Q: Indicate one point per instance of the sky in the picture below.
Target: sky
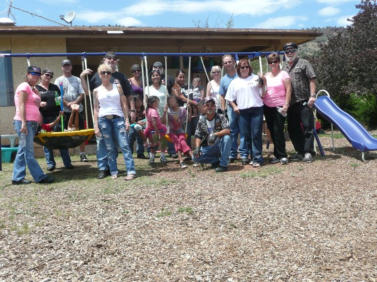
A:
(270, 14)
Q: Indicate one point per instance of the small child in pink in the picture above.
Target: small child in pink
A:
(155, 130)
(176, 118)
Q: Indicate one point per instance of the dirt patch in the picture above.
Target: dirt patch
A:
(300, 221)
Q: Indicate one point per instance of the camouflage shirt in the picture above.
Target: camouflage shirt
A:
(301, 72)
(202, 130)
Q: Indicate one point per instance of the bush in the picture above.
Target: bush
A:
(364, 109)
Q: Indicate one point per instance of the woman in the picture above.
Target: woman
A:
(245, 96)
(50, 94)
(111, 121)
(135, 81)
(27, 101)
(179, 91)
(276, 103)
(213, 86)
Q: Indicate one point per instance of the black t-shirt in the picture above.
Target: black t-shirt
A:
(52, 109)
(95, 81)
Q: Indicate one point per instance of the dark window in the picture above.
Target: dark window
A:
(6, 81)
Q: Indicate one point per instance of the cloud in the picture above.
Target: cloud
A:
(129, 21)
(328, 11)
(329, 2)
(282, 22)
(343, 21)
(156, 7)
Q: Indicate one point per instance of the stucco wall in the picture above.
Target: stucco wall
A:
(28, 44)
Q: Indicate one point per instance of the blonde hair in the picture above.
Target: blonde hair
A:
(215, 68)
(104, 67)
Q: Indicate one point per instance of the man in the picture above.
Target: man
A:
(50, 95)
(111, 60)
(73, 95)
(212, 140)
(230, 74)
(300, 114)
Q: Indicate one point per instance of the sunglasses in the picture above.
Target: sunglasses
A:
(105, 72)
(244, 67)
(137, 70)
(273, 62)
(49, 75)
(290, 51)
(227, 63)
(112, 58)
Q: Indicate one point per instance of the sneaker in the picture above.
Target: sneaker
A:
(255, 164)
(130, 177)
(151, 160)
(21, 182)
(245, 161)
(308, 158)
(196, 165)
(50, 168)
(182, 165)
(70, 166)
(274, 160)
(46, 180)
(296, 157)
(83, 158)
(221, 168)
(141, 156)
(163, 159)
(231, 160)
(215, 165)
(283, 161)
(102, 174)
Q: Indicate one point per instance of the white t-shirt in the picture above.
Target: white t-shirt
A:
(109, 101)
(245, 92)
(215, 92)
(161, 93)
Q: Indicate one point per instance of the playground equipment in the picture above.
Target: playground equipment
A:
(355, 133)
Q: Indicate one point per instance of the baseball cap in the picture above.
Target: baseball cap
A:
(210, 99)
(290, 45)
(110, 55)
(66, 62)
(34, 70)
(135, 67)
(47, 71)
(157, 64)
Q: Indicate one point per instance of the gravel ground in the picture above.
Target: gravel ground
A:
(311, 222)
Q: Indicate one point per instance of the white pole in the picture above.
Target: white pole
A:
(188, 87)
(204, 67)
(260, 65)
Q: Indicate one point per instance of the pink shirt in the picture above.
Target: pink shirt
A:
(275, 96)
(152, 113)
(31, 104)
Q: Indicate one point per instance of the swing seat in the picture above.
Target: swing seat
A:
(63, 140)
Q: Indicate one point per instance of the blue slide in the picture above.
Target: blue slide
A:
(356, 134)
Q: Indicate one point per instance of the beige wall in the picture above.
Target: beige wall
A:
(28, 44)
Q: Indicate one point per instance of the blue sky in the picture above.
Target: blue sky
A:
(275, 14)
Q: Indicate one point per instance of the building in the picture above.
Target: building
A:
(57, 39)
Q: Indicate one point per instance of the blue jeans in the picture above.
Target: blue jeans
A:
(49, 156)
(133, 135)
(114, 132)
(251, 121)
(220, 151)
(234, 124)
(25, 153)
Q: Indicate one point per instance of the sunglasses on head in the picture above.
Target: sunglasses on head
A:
(290, 51)
(106, 72)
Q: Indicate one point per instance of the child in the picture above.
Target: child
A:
(48, 127)
(155, 130)
(176, 118)
(137, 128)
(73, 122)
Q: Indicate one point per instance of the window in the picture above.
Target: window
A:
(6, 81)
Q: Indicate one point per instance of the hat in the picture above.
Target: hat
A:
(111, 55)
(157, 64)
(291, 45)
(34, 70)
(210, 99)
(66, 62)
(47, 71)
(135, 67)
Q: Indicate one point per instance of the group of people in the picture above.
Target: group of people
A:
(228, 109)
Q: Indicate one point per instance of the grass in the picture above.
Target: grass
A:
(164, 213)
(186, 210)
(262, 172)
